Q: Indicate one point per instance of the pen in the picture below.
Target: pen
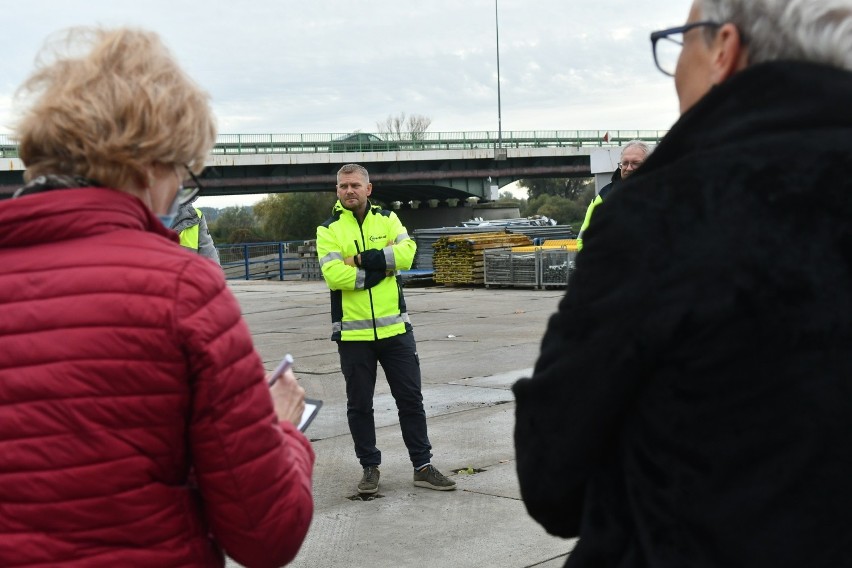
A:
(282, 368)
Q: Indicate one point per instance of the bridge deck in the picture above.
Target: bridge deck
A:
(332, 143)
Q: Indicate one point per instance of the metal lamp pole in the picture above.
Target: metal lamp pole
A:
(499, 112)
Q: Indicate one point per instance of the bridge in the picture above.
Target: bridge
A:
(406, 169)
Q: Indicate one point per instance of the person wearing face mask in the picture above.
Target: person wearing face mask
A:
(692, 401)
(137, 425)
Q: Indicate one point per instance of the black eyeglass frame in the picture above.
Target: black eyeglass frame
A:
(623, 165)
(187, 194)
(664, 34)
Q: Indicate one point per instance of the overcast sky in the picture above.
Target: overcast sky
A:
(337, 66)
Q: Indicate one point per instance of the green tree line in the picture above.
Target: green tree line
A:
(295, 216)
(562, 199)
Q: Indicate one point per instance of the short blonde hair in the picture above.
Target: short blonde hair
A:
(353, 169)
(112, 109)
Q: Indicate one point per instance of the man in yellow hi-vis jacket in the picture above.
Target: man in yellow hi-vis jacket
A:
(361, 247)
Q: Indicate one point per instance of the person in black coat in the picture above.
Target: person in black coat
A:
(692, 401)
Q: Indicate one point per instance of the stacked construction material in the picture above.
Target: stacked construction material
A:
(555, 266)
(556, 262)
(309, 262)
(426, 238)
(517, 266)
(539, 266)
(459, 259)
(567, 244)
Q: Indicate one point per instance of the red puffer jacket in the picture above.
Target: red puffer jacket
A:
(135, 425)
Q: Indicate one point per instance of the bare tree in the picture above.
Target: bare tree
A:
(401, 128)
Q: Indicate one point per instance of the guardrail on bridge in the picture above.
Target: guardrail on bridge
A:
(363, 142)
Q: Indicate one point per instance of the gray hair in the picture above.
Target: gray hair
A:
(636, 144)
(817, 31)
(351, 169)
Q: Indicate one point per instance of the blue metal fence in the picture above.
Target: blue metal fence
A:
(281, 260)
(262, 261)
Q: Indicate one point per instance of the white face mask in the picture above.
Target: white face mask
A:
(169, 217)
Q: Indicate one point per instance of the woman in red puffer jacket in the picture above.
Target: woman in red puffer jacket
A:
(136, 427)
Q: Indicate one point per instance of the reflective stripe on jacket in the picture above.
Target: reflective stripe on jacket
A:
(359, 312)
(588, 219)
(598, 199)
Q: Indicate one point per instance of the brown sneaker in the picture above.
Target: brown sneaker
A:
(369, 483)
(431, 478)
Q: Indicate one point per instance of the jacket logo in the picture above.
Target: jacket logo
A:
(382, 238)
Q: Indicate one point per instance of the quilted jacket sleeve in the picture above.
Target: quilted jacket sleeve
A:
(254, 474)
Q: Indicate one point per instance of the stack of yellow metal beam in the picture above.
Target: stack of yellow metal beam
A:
(567, 244)
(458, 259)
(553, 244)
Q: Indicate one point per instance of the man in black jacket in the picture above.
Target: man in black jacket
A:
(633, 154)
(692, 402)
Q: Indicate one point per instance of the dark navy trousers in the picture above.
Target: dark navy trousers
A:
(398, 358)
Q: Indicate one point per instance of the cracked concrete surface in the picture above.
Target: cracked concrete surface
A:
(473, 344)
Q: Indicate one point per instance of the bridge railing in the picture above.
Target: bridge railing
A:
(331, 142)
(363, 142)
(8, 147)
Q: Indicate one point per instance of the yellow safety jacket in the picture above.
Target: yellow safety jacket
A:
(588, 219)
(365, 306)
(598, 199)
(189, 236)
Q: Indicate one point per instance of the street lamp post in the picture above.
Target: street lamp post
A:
(499, 154)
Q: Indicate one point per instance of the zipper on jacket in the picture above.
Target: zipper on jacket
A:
(369, 291)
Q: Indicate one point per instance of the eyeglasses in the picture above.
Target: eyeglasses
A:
(625, 165)
(666, 53)
(187, 194)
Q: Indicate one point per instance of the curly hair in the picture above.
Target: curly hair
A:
(106, 104)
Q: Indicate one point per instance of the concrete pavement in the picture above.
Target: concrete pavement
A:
(473, 344)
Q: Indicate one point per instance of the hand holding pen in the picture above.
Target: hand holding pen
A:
(285, 365)
(288, 396)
